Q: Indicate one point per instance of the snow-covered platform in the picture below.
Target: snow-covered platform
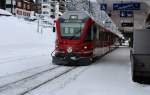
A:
(110, 75)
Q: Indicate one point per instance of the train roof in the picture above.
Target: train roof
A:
(81, 14)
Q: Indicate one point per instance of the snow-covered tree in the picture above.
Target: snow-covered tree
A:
(91, 6)
(77, 5)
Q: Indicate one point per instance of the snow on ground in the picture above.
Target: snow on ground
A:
(22, 47)
(110, 75)
(4, 12)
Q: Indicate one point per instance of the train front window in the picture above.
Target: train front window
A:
(71, 31)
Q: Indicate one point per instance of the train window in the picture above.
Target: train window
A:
(71, 31)
(97, 34)
(89, 36)
(94, 31)
(91, 33)
(102, 36)
(66, 30)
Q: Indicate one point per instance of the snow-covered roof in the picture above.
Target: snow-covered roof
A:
(5, 13)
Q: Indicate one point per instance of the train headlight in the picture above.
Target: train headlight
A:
(69, 49)
(85, 47)
(56, 46)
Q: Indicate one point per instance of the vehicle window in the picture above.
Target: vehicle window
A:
(71, 31)
(91, 34)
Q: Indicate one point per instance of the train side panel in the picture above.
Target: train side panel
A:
(80, 39)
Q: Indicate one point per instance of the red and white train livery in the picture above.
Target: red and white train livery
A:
(80, 39)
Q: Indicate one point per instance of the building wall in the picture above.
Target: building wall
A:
(2, 4)
(24, 8)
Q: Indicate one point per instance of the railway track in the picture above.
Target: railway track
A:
(25, 85)
(25, 75)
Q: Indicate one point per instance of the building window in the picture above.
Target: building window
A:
(28, 14)
(52, 10)
(28, 7)
(45, 6)
(24, 6)
(52, 16)
(19, 12)
(24, 13)
(44, 0)
(45, 12)
(19, 4)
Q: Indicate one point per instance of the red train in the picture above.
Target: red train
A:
(80, 39)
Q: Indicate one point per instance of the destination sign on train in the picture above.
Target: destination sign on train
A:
(72, 20)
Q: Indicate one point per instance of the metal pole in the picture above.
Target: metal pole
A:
(89, 6)
(133, 32)
(38, 25)
(122, 19)
(5, 4)
(11, 6)
(133, 20)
